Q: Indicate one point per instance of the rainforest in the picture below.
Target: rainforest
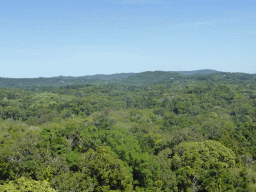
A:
(144, 132)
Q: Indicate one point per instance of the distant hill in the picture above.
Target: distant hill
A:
(101, 76)
(109, 77)
(149, 77)
(202, 71)
(162, 76)
(61, 80)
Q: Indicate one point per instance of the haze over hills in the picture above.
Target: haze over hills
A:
(101, 76)
(124, 75)
(202, 71)
(147, 77)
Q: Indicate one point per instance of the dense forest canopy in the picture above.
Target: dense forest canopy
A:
(151, 131)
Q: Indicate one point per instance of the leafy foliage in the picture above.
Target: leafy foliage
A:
(154, 131)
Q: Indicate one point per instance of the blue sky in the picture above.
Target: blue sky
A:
(85, 37)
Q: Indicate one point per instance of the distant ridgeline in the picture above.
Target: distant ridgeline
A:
(149, 77)
(203, 72)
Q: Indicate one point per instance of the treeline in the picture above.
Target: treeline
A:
(139, 79)
(187, 133)
(61, 80)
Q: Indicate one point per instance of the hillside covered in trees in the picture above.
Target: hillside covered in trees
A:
(151, 131)
(118, 78)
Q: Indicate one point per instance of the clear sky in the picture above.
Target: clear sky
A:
(84, 37)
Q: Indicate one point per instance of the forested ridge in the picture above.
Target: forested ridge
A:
(117, 78)
(152, 131)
